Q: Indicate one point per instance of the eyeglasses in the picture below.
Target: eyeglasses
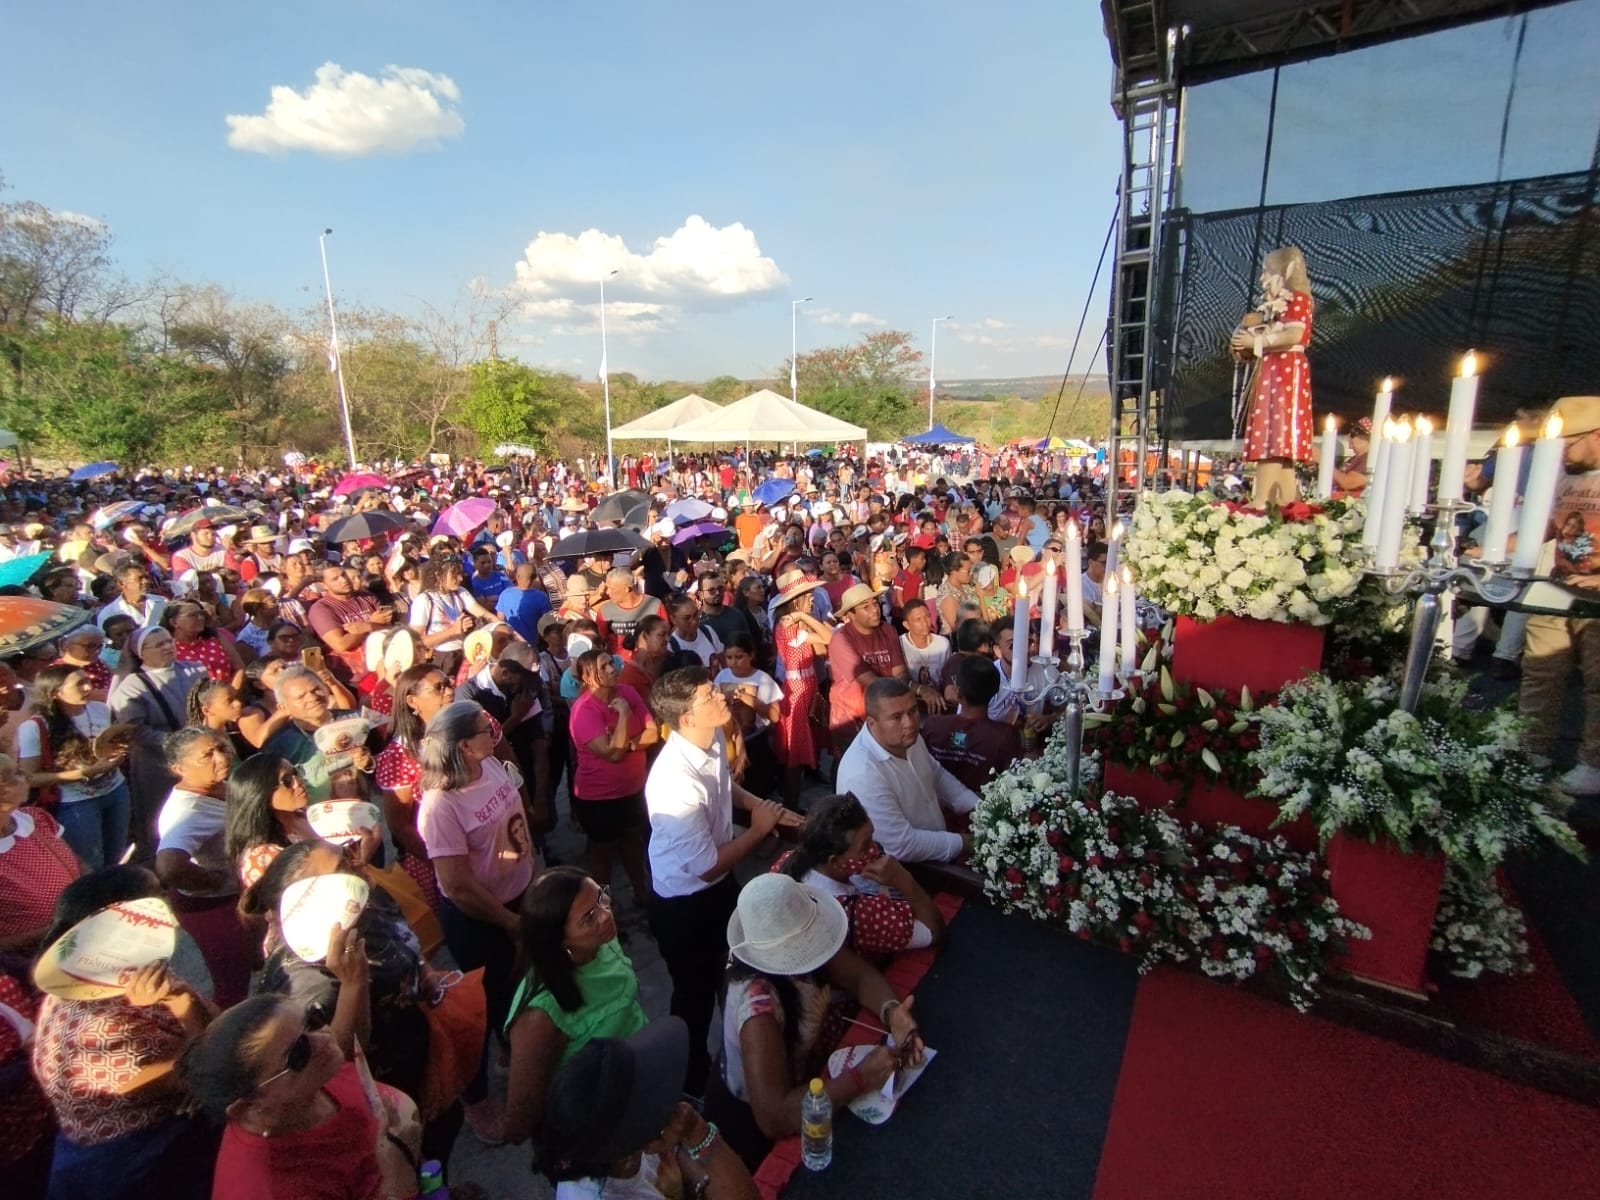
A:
(295, 1059)
(591, 918)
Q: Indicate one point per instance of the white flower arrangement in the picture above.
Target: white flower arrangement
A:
(1114, 872)
(1478, 929)
(1204, 559)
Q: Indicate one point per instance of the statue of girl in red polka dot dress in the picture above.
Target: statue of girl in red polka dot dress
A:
(1278, 423)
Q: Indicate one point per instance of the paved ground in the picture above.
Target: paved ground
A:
(507, 1172)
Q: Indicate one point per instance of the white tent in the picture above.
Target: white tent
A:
(663, 423)
(765, 416)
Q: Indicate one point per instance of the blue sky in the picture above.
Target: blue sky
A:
(896, 161)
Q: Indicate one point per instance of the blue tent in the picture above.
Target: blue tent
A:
(938, 436)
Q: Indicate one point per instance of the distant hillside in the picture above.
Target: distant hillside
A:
(1028, 387)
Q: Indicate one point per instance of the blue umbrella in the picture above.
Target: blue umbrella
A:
(688, 509)
(94, 471)
(20, 570)
(773, 490)
(815, 453)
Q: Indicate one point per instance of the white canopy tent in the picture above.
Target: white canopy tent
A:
(765, 416)
(663, 423)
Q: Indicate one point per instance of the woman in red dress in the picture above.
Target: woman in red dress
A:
(1278, 423)
(800, 637)
(198, 641)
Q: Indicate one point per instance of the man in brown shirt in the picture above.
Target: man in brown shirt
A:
(969, 743)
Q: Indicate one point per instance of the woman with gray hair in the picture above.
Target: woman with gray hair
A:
(476, 833)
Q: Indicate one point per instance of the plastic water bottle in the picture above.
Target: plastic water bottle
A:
(816, 1127)
(431, 1181)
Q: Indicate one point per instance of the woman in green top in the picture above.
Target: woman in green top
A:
(576, 985)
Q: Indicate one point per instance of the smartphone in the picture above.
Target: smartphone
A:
(311, 657)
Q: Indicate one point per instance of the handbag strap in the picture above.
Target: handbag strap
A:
(161, 701)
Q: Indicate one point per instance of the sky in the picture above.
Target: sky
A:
(895, 161)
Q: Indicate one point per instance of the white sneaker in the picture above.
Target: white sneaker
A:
(1582, 780)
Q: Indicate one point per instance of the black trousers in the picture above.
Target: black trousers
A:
(692, 932)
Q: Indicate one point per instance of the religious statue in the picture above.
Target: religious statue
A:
(1273, 340)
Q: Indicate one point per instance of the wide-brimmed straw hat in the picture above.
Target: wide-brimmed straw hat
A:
(785, 927)
(574, 505)
(855, 596)
(792, 584)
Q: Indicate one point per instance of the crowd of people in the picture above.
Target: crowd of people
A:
(255, 688)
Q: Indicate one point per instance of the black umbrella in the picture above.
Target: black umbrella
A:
(637, 517)
(617, 505)
(365, 525)
(598, 542)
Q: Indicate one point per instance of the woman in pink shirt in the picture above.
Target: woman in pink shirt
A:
(611, 725)
(473, 825)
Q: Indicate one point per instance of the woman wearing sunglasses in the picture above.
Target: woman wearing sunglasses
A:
(576, 984)
(297, 1120)
(267, 805)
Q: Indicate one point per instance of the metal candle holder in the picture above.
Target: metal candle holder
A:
(1073, 690)
(1494, 582)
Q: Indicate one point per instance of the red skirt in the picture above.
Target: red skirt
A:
(1278, 421)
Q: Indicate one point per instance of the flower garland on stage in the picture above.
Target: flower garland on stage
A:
(1478, 929)
(1448, 778)
(1204, 559)
(1115, 873)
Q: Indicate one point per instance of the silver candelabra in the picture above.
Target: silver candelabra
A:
(1071, 688)
(1442, 570)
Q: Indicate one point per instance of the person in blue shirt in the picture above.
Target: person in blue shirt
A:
(487, 580)
(523, 603)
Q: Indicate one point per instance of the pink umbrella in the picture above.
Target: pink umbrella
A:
(354, 483)
(464, 516)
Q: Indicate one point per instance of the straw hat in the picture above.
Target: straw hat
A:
(1022, 555)
(1579, 414)
(854, 597)
(785, 927)
(792, 584)
(577, 587)
(259, 534)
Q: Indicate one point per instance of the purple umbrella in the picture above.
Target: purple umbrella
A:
(464, 516)
(705, 529)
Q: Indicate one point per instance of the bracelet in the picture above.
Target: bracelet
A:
(704, 1144)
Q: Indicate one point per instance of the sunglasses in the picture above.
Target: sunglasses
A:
(295, 1059)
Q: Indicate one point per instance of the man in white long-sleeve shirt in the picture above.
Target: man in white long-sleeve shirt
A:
(898, 782)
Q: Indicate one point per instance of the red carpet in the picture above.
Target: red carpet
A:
(1535, 1008)
(1224, 1095)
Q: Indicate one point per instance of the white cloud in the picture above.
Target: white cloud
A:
(853, 320)
(697, 265)
(345, 114)
(561, 316)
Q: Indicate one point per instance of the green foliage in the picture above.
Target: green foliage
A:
(509, 401)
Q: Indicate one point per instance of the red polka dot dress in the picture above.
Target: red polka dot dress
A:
(1278, 419)
(397, 768)
(210, 654)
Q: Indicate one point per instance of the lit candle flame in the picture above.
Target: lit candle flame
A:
(1469, 364)
(1424, 426)
(1049, 566)
(1127, 577)
(1388, 384)
(1022, 589)
(1116, 530)
(1330, 424)
(1389, 429)
(1512, 436)
(1402, 432)
(1111, 585)
(1552, 427)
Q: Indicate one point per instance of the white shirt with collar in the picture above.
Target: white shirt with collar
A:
(689, 796)
(903, 797)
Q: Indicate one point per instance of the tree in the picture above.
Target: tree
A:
(240, 351)
(508, 401)
(872, 383)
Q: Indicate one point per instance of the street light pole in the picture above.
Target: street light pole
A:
(794, 379)
(933, 349)
(605, 379)
(334, 360)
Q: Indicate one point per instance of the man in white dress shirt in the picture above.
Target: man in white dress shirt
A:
(694, 847)
(900, 785)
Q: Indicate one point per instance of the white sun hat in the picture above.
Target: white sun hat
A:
(785, 927)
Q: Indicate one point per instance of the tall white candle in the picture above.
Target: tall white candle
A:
(1129, 635)
(1503, 504)
(1108, 634)
(1463, 403)
(1019, 638)
(1047, 611)
(1376, 481)
(1074, 551)
(1113, 550)
(1421, 465)
(1378, 449)
(1330, 452)
(1393, 518)
(1539, 496)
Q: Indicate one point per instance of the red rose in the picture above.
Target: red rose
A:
(1055, 837)
(1150, 856)
(1016, 894)
(1124, 944)
(1240, 872)
(1067, 862)
(1053, 903)
(1114, 833)
(1071, 890)
(1013, 875)
(1146, 879)
(1297, 931)
(1095, 860)
(1216, 947)
(1143, 920)
(1263, 954)
(1084, 933)
(1272, 924)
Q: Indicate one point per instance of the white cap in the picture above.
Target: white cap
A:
(299, 546)
(719, 514)
(663, 528)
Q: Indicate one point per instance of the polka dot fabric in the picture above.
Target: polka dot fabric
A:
(1278, 421)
